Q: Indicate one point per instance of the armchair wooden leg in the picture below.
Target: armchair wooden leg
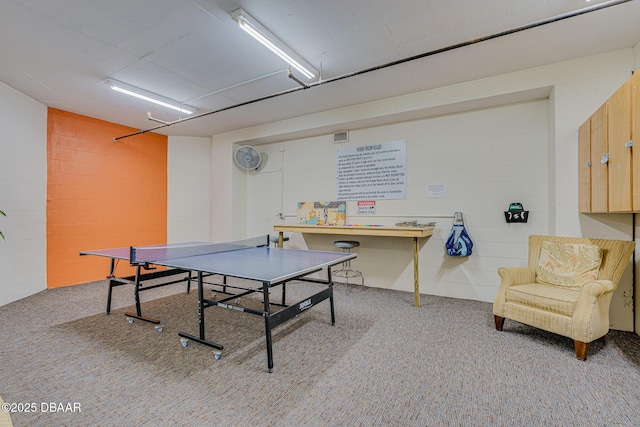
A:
(582, 349)
(499, 322)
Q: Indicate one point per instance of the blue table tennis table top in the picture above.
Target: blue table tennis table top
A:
(264, 264)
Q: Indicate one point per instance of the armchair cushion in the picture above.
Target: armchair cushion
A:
(568, 265)
(549, 298)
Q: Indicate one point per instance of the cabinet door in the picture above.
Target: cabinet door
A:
(599, 180)
(635, 136)
(619, 134)
(584, 167)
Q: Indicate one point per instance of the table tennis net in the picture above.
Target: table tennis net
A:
(149, 254)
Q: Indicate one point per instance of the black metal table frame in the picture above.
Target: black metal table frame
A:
(271, 320)
(137, 281)
(139, 278)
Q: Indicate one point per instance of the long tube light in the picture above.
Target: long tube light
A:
(149, 96)
(271, 42)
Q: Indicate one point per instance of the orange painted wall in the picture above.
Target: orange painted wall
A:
(100, 194)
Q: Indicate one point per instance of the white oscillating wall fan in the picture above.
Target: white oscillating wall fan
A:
(247, 157)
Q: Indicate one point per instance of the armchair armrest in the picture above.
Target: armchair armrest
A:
(511, 276)
(597, 288)
(591, 315)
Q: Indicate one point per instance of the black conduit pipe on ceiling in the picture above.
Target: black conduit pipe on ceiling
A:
(393, 63)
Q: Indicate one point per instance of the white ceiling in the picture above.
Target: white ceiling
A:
(60, 52)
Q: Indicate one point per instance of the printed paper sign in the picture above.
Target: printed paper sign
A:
(436, 191)
(366, 207)
(376, 171)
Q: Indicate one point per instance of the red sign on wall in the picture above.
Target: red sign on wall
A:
(366, 207)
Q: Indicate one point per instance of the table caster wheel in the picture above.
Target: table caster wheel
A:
(184, 341)
(213, 294)
(159, 328)
(217, 354)
(130, 320)
(238, 301)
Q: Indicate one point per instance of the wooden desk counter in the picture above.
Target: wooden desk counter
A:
(367, 230)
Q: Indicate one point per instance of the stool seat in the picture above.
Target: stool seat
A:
(275, 239)
(346, 244)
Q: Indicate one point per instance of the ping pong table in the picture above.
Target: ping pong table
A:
(251, 259)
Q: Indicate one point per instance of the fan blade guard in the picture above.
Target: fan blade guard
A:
(247, 157)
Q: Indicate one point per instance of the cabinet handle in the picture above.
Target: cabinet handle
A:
(628, 144)
(605, 158)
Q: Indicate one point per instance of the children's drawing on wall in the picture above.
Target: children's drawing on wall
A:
(322, 213)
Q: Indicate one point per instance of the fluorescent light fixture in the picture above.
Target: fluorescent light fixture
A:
(264, 36)
(149, 96)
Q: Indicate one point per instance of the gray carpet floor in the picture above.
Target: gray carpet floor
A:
(384, 363)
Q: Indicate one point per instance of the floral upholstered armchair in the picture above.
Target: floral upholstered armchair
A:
(566, 289)
(5, 419)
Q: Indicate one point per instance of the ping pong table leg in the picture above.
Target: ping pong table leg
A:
(138, 314)
(333, 312)
(111, 271)
(284, 293)
(137, 292)
(267, 326)
(109, 296)
(189, 282)
(201, 306)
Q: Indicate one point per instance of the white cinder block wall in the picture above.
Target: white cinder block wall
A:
(189, 189)
(23, 195)
(536, 140)
(485, 159)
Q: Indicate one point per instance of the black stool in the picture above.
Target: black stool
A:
(346, 271)
(274, 240)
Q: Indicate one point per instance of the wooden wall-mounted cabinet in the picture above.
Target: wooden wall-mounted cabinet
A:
(635, 134)
(619, 146)
(599, 167)
(606, 181)
(584, 166)
(593, 168)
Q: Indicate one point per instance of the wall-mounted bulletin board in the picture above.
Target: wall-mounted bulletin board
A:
(376, 171)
